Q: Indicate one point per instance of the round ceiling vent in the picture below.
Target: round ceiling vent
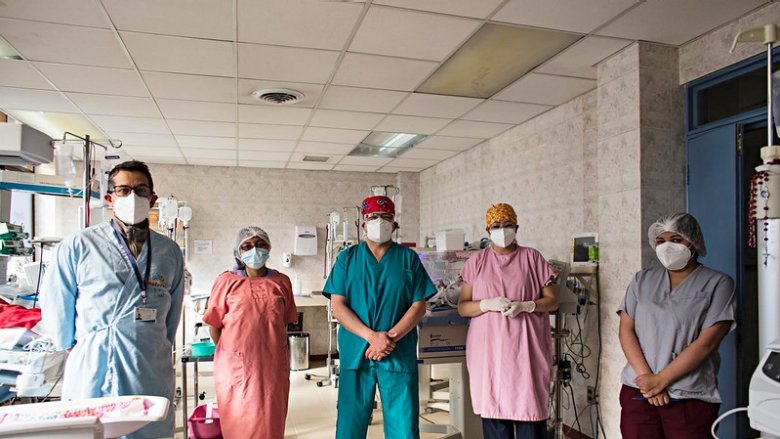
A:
(278, 96)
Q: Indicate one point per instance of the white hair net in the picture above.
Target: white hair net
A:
(247, 233)
(683, 224)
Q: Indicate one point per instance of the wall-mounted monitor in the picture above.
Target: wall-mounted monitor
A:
(580, 244)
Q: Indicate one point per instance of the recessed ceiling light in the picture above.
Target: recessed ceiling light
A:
(386, 144)
(7, 51)
(315, 158)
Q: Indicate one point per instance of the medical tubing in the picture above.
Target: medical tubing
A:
(576, 415)
(724, 415)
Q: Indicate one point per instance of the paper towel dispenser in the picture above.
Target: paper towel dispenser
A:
(305, 240)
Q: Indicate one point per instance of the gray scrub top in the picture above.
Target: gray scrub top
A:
(666, 323)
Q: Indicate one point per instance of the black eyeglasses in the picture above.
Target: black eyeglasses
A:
(140, 190)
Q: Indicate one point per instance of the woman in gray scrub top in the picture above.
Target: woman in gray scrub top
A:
(672, 320)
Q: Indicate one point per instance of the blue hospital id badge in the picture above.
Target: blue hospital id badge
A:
(143, 314)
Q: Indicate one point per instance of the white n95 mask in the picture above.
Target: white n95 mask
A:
(131, 209)
(379, 230)
(503, 237)
(673, 256)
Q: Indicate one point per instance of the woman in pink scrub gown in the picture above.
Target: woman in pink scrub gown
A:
(248, 312)
(507, 292)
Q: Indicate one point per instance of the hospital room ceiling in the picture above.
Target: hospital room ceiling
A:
(174, 79)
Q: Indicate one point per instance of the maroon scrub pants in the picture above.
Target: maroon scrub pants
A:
(680, 419)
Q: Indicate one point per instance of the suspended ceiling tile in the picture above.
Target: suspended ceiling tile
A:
(398, 32)
(311, 92)
(416, 164)
(261, 164)
(179, 54)
(382, 72)
(465, 8)
(676, 22)
(355, 168)
(285, 63)
(505, 112)
(75, 12)
(152, 151)
(38, 100)
(205, 19)
(334, 135)
(202, 128)
(323, 25)
(411, 124)
(428, 154)
(365, 161)
(265, 145)
(345, 119)
(190, 87)
(423, 104)
(203, 153)
(553, 90)
(212, 162)
(361, 99)
(38, 41)
(325, 147)
(207, 142)
(467, 128)
(310, 166)
(298, 157)
(269, 131)
(21, 74)
(576, 16)
(268, 114)
(114, 105)
(448, 143)
(581, 58)
(268, 156)
(99, 80)
(208, 111)
(157, 140)
(161, 160)
(148, 125)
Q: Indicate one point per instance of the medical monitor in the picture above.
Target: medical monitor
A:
(580, 245)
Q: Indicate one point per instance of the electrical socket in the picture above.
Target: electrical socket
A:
(593, 397)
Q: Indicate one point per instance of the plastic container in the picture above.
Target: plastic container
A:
(299, 350)
(203, 349)
(204, 423)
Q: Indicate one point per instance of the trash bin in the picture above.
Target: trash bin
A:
(299, 350)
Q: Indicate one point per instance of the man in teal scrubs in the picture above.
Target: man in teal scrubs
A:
(378, 291)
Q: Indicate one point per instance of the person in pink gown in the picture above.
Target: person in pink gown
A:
(508, 292)
(248, 312)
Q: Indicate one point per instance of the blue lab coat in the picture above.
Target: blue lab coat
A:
(88, 299)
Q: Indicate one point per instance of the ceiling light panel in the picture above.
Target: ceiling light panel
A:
(412, 124)
(345, 119)
(54, 124)
(191, 110)
(505, 112)
(421, 104)
(273, 114)
(546, 89)
(465, 8)
(18, 73)
(266, 145)
(311, 92)
(383, 72)
(285, 63)
(441, 34)
(38, 41)
(75, 12)
(334, 135)
(268, 131)
(467, 128)
(361, 99)
(190, 87)
(147, 125)
(8, 52)
(114, 105)
(179, 54)
(449, 143)
(493, 58)
(212, 20)
(580, 59)
(39, 100)
(318, 24)
(98, 80)
(202, 128)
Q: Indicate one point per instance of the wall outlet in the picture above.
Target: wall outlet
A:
(593, 397)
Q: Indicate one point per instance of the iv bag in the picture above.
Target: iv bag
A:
(63, 158)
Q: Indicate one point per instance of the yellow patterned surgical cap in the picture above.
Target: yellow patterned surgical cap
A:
(498, 213)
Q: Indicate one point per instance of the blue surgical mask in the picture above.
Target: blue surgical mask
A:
(254, 258)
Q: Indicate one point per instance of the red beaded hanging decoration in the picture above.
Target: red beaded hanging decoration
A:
(755, 183)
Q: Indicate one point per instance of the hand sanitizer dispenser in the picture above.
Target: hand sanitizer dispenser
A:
(305, 240)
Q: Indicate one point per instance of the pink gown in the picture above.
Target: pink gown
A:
(251, 363)
(509, 359)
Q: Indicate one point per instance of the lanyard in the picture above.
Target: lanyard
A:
(142, 281)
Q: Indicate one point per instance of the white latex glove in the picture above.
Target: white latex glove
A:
(494, 304)
(516, 308)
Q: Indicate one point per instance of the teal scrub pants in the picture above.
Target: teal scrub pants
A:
(400, 402)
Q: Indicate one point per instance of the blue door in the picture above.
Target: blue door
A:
(713, 198)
